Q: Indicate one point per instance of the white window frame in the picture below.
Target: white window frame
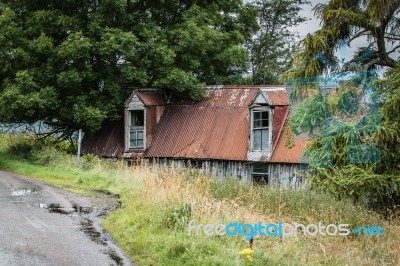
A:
(260, 109)
(136, 129)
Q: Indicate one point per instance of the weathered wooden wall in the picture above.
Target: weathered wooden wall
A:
(218, 169)
(284, 175)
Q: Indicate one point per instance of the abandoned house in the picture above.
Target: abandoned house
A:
(238, 131)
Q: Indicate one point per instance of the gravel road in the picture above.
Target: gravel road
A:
(43, 225)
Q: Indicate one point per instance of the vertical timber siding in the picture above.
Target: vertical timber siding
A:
(286, 175)
(218, 169)
(280, 175)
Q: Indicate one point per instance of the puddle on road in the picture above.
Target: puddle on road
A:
(57, 208)
(24, 191)
(80, 209)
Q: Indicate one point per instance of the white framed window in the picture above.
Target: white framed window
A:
(136, 129)
(260, 129)
(259, 173)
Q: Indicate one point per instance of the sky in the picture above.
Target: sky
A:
(313, 24)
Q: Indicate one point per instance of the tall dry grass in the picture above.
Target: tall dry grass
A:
(158, 191)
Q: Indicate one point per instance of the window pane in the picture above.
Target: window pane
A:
(260, 173)
(140, 135)
(264, 123)
(257, 116)
(265, 139)
(257, 139)
(264, 115)
(140, 143)
(257, 123)
(133, 143)
(137, 118)
(133, 135)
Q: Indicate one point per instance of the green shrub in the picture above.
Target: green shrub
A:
(46, 155)
(89, 161)
(178, 216)
(66, 146)
(21, 146)
(380, 192)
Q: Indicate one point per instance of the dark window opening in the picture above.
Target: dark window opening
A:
(137, 118)
(260, 173)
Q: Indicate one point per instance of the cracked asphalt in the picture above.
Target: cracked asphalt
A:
(43, 225)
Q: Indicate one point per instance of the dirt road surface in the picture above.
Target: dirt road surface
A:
(43, 225)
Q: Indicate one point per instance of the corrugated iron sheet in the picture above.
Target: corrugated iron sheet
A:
(107, 142)
(276, 96)
(151, 98)
(278, 119)
(213, 128)
(284, 154)
(202, 133)
(217, 127)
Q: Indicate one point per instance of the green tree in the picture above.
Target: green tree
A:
(344, 153)
(272, 48)
(343, 23)
(64, 62)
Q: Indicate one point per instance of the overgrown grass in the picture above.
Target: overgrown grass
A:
(157, 205)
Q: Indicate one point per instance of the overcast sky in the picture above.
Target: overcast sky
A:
(313, 24)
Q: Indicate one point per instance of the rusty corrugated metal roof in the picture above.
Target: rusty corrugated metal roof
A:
(278, 119)
(217, 127)
(284, 154)
(107, 142)
(202, 133)
(213, 128)
(151, 98)
(276, 95)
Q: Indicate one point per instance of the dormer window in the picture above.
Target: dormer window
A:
(260, 129)
(136, 129)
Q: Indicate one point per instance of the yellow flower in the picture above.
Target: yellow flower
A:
(249, 258)
(246, 253)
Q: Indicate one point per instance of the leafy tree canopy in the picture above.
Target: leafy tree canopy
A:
(64, 62)
(344, 22)
(354, 148)
(272, 48)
